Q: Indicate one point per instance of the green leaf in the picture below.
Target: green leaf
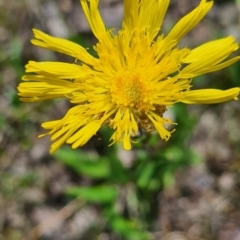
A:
(174, 154)
(14, 52)
(119, 174)
(84, 163)
(129, 229)
(2, 121)
(194, 158)
(169, 178)
(146, 174)
(181, 155)
(94, 194)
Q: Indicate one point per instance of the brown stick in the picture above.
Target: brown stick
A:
(54, 220)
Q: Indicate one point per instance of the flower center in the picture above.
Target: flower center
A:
(129, 90)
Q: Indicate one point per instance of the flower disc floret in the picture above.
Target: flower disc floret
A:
(129, 90)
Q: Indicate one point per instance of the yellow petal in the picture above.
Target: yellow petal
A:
(159, 123)
(209, 96)
(90, 9)
(208, 50)
(209, 57)
(130, 20)
(84, 134)
(38, 91)
(58, 69)
(63, 46)
(221, 65)
(189, 21)
(144, 14)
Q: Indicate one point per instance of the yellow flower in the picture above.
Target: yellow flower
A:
(137, 74)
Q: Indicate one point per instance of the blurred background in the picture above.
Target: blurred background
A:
(185, 189)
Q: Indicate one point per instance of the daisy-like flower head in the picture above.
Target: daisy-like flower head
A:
(138, 73)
